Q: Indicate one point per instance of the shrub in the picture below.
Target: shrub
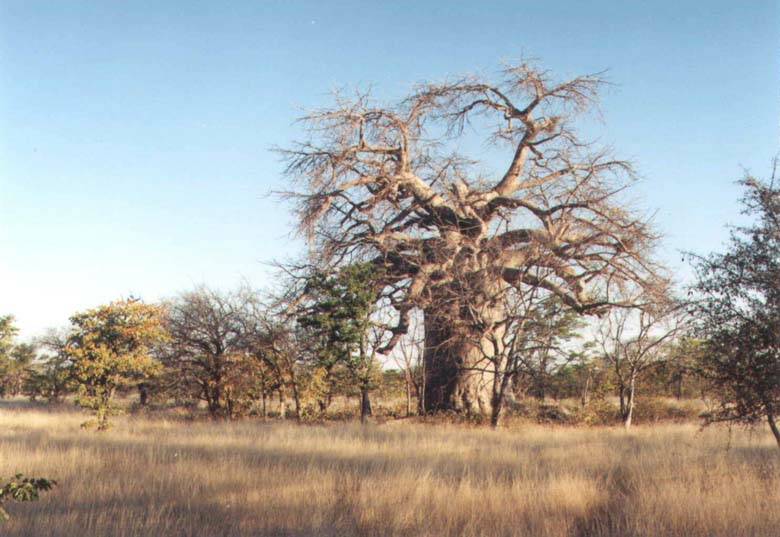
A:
(22, 489)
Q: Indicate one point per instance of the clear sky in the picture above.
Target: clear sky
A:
(135, 136)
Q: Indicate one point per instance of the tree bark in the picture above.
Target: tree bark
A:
(420, 389)
(456, 375)
(500, 388)
(296, 401)
(585, 394)
(770, 417)
(629, 415)
(365, 405)
(282, 404)
(143, 394)
(408, 380)
(622, 397)
(678, 386)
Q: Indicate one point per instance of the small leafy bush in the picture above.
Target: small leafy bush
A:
(22, 489)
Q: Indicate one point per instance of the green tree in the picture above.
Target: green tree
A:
(51, 376)
(16, 359)
(8, 332)
(109, 348)
(338, 317)
(17, 369)
(737, 306)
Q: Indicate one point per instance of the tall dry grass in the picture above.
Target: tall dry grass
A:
(151, 477)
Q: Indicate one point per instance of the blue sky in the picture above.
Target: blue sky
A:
(135, 136)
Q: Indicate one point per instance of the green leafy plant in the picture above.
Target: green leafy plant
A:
(109, 348)
(22, 489)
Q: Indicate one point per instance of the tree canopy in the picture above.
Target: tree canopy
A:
(388, 184)
(737, 307)
(110, 347)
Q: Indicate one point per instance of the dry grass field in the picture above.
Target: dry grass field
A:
(152, 477)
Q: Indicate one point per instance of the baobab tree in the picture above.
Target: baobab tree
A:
(387, 184)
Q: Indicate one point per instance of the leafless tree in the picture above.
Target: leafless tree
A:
(386, 183)
(279, 348)
(634, 340)
(213, 345)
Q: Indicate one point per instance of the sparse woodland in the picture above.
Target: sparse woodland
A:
(473, 350)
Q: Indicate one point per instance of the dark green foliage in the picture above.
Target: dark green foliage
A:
(337, 319)
(16, 368)
(17, 360)
(22, 489)
(737, 305)
(8, 332)
(51, 379)
(339, 311)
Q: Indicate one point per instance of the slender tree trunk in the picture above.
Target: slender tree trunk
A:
(541, 380)
(365, 404)
(212, 401)
(541, 392)
(499, 396)
(630, 403)
(519, 387)
(265, 403)
(143, 394)
(420, 388)
(296, 401)
(282, 404)
(408, 381)
(773, 425)
(325, 401)
(622, 396)
(103, 409)
(585, 396)
(495, 414)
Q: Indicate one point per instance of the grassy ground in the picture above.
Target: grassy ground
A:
(151, 477)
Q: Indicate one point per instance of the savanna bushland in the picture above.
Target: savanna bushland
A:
(463, 351)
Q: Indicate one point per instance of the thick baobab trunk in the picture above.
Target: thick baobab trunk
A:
(457, 375)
